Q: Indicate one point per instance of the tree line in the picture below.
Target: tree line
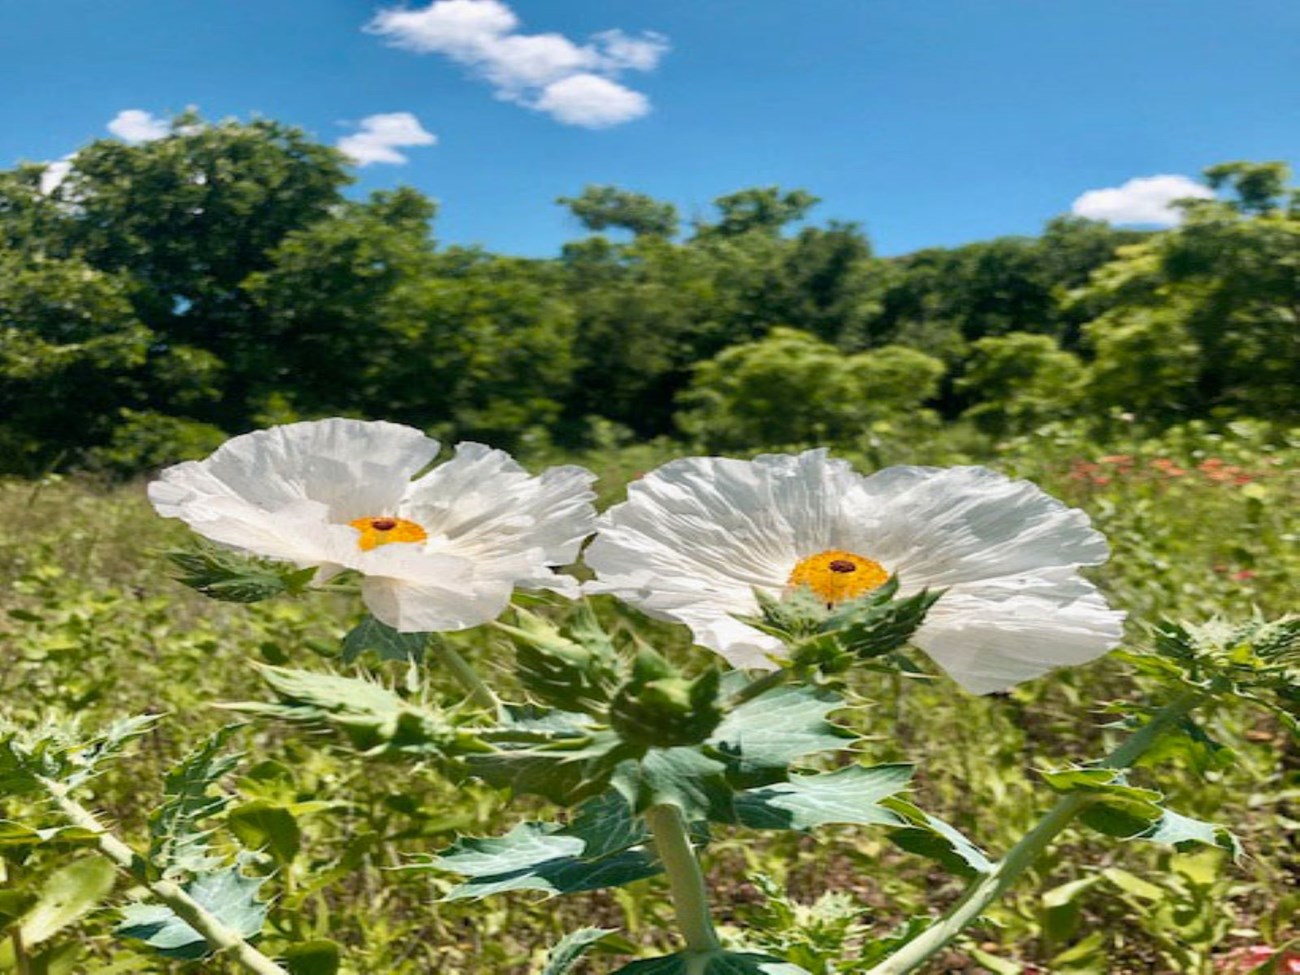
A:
(159, 297)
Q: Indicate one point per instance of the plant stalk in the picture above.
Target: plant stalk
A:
(465, 675)
(988, 888)
(220, 938)
(685, 878)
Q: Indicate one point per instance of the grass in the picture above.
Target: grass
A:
(1199, 525)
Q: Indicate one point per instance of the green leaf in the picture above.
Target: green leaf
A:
(712, 963)
(265, 825)
(229, 895)
(372, 717)
(762, 737)
(560, 756)
(931, 837)
(230, 577)
(1118, 809)
(682, 777)
(16, 834)
(1183, 833)
(1131, 884)
(602, 847)
(178, 843)
(848, 795)
(370, 634)
(312, 958)
(561, 959)
(66, 896)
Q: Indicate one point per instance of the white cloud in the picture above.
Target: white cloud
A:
(1145, 199)
(380, 137)
(593, 101)
(136, 125)
(574, 83)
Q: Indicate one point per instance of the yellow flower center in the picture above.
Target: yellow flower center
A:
(384, 531)
(838, 576)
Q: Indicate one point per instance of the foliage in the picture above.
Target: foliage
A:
(218, 279)
(1198, 520)
(791, 388)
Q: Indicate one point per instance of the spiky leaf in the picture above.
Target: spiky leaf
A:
(561, 959)
(231, 577)
(848, 795)
(372, 635)
(227, 894)
(178, 843)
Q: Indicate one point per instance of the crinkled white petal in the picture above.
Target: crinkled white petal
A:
(944, 526)
(990, 637)
(415, 591)
(698, 536)
(483, 506)
(707, 531)
(242, 493)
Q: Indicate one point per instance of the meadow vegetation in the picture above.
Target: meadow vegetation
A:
(167, 295)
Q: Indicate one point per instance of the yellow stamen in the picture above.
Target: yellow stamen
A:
(384, 530)
(838, 576)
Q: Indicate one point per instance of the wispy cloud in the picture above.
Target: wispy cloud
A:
(137, 125)
(1146, 199)
(573, 83)
(380, 137)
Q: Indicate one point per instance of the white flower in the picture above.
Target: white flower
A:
(697, 536)
(441, 552)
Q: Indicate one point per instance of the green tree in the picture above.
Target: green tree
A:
(71, 352)
(789, 388)
(1218, 295)
(602, 207)
(765, 210)
(1019, 381)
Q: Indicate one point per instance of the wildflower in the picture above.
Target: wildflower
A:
(441, 552)
(698, 536)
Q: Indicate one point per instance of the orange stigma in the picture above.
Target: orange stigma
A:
(384, 530)
(838, 576)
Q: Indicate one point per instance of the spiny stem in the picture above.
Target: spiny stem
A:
(685, 879)
(219, 937)
(988, 888)
(465, 675)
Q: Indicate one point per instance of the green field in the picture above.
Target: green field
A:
(1201, 525)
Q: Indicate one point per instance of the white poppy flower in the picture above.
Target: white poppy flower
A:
(442, 552)
(697, 536)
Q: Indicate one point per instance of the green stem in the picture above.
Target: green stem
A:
(988, 888)
(220, 938)
(465, 675)
(685, 879)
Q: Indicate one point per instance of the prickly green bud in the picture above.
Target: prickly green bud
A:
(558, 671)
(659, 708)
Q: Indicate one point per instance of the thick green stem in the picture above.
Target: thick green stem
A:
(465, 675)
(993, 885)
(219, 937)
(685, 879)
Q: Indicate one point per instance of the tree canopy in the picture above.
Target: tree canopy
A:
(160, 296)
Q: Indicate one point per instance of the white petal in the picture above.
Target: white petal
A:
(415, 590)
(941, 527)
(997, 634)
(483, 506)
(347, 468)
(697, 536)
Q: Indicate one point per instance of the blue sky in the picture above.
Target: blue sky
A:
(931, 122)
